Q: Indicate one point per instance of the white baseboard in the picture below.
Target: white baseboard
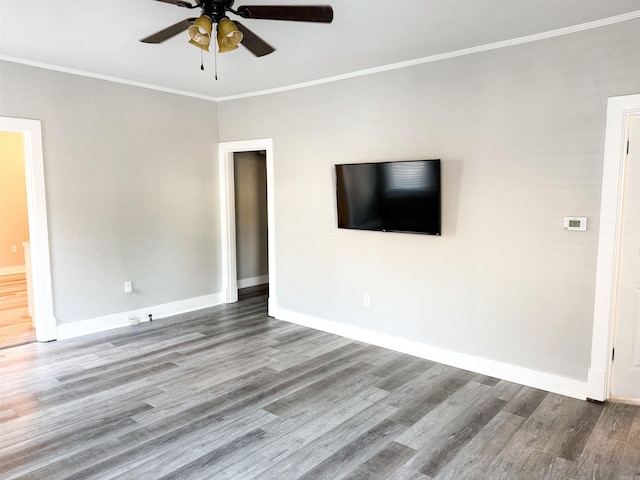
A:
(121, 319)
(505, 371)
(13, 270)
(253, 281)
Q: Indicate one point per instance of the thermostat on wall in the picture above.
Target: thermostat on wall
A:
(574, 223)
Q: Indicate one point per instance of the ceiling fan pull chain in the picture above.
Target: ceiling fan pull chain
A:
(201, 61)
(215, 58)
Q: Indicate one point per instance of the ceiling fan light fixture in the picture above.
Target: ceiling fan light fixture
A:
(228, 36)
(226, 48)
(200, 32)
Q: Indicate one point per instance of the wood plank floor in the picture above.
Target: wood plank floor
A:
(15, 323)
(229, 393)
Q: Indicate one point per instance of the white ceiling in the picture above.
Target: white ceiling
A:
(100, 38)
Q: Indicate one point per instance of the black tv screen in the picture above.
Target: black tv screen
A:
(402, 196)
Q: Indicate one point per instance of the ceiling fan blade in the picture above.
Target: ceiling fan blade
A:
(254, 43)
(169, 32)
(179, 3)
(298, 13)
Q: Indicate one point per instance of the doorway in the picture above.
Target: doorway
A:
(226, 155)
(250, 185)
(16, 326)
(621, 112)
(38, 256)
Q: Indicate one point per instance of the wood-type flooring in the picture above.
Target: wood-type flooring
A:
(15, 323)
(229, 393)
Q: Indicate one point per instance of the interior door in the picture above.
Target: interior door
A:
(626, 363)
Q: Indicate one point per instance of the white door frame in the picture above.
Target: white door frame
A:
(619, 109)
(228, 216)
(44, 321)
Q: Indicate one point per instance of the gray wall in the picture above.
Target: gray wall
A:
(520, 132)
(250, 178)
(132, 190)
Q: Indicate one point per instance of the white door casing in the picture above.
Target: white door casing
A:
(44, 321)
(227, 216)
(625, 369)
(619, 111)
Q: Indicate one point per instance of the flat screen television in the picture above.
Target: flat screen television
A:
(401, 196)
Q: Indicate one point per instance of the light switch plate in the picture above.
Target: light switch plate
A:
(575, 223)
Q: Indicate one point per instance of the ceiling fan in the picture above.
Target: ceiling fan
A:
(231, 33)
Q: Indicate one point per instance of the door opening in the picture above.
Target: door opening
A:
(16, 324)
(252, 255)
(42, 308)
(229, 247)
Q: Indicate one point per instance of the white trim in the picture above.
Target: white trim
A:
(13, 270)
(107, 78)
(447, 55)
(117, 320)
(227, 215)
(505, 371)
(228, 225)
(253, 281)
(44, 321)
(394, 66)
(618, 111)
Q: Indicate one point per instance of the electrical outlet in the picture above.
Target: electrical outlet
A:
(366, 301)
(128, 287)
(14, 249)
